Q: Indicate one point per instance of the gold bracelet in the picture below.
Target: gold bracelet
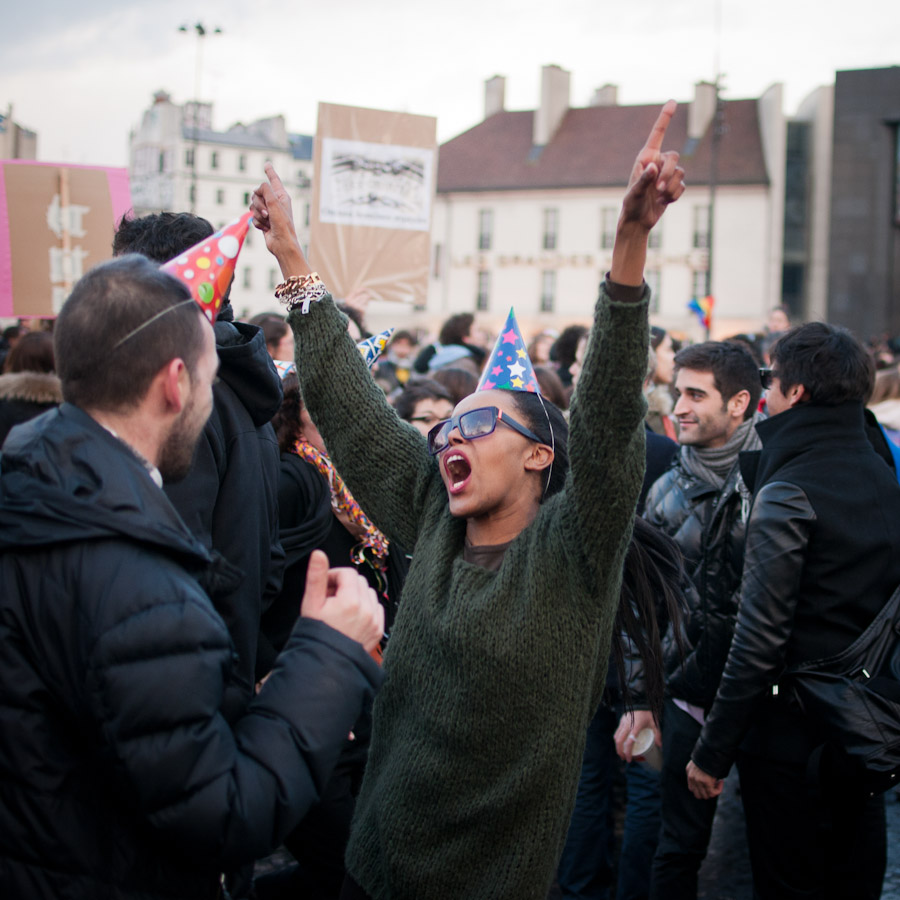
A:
(300, 290)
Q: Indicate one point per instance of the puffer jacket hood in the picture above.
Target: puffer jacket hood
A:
(246, 367)
(53, 489)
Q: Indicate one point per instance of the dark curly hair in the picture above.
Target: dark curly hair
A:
(286, 421)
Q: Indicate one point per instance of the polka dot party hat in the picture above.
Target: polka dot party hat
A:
(509, 368)
(208, 267)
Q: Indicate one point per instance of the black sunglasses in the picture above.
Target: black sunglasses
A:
(474, 424)
(765, 377)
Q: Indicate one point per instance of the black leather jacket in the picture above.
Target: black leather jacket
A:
(708, 525)
(821, 559)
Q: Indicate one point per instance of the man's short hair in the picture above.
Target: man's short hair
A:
(124, 320)
(732, 365)
(160, 236)
(827, 360)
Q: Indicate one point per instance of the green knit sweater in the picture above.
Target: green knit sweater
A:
(491, 678)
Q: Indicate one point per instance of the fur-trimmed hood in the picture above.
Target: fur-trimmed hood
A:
(31, 387)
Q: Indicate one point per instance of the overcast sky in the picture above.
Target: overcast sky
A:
(80, 72)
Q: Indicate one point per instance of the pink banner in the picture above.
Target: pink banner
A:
(56, 222)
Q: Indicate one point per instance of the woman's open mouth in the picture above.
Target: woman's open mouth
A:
(458, 471)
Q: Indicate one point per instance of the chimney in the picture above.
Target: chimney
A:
(702, 110)
(608, 95)
(494, 95)
(554, 103)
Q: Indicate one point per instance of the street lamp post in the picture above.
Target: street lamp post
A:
(201, 31)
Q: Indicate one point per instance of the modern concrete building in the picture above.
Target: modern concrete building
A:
(528, 202)
(864, 239)
(179, 162)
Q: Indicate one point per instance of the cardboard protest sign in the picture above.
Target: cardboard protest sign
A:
(56, 222)
(370, 222)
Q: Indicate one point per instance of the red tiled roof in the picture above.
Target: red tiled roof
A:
(595, 147)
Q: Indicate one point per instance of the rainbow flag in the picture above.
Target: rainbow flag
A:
(703, 309)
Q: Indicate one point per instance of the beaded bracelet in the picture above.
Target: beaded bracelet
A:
(300, 290)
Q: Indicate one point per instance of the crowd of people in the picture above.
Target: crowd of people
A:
(404, 619)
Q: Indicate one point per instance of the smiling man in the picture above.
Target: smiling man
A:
(701, 502)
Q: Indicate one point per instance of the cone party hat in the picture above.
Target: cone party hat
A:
(208, 267)
(509, 368)
(372, 347)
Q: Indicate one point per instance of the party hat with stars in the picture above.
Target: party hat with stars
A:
(208, 267)
(371, 347)
(509, 368)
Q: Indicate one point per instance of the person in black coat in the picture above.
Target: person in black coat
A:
(822, 557)
(229, 497)
(120, 776)
(309, 520)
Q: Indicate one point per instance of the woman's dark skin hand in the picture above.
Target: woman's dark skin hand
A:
(272, 215)
(656, 181)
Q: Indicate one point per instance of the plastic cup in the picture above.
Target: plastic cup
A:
(646, 751)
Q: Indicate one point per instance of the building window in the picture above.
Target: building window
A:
(436, 262)
(220, 196)
(248, 277)
(698, 284)
(701, 227)
(485, 229)
(484, 290)
(214, 160)
(247, 240)
(162, 162)
(551, 225)
(242, 163)
(273, 279)
(247, 200)
(192, 193)
(652, 277)
(548, 291)
(306, 215)
(655, 242)
(609, 220)
(189, 158)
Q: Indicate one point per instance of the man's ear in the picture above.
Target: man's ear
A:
(737, 404)
(175, 384)
(796, 394)
(539, 457)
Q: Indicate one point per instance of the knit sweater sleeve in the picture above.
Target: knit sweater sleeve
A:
(606, 428)
(384, 461)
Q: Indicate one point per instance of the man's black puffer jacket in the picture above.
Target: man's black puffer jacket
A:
(708, 525)
(119, 776)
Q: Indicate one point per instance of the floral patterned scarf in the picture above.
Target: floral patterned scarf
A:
(342, 501)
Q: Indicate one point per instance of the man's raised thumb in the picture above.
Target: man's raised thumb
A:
(316, 585)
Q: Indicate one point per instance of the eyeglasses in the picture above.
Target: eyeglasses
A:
(766, 376)
(476, 423)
